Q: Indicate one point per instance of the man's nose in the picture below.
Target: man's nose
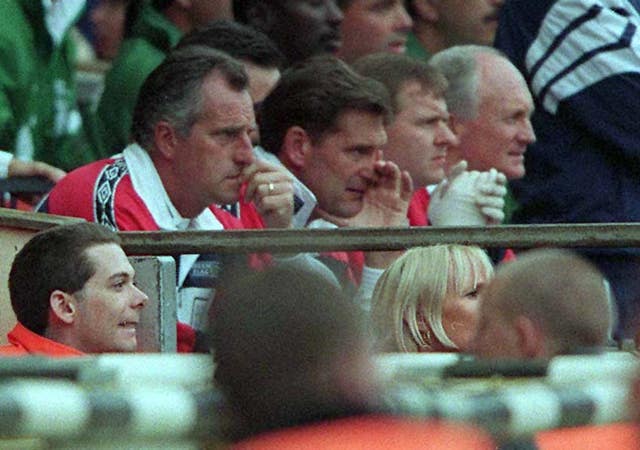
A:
(527, 134)
(140, 299)
(445, 136)
(243, 153)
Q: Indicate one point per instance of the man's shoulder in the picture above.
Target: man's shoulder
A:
(24, 342)
(90, 189)
(9, 350)
(89, 173)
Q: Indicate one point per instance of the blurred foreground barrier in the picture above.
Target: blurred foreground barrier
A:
(515, 411)
(167, 401)
(303, 240)
(61, 410)
(111, 401)
(612, 365)
(116, 370)
(65, 415)
(568, 391)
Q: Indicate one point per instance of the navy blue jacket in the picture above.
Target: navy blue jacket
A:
(581, 59)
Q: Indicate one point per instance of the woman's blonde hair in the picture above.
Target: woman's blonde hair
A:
(415, 286)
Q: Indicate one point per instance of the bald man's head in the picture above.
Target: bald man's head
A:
(547, 302)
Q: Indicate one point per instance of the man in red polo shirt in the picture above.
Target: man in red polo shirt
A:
(72, 289)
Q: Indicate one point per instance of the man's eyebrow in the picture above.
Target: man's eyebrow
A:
(125, 275)
(234, 129)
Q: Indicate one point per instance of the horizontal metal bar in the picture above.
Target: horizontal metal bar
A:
(304, 240)
(27, 220)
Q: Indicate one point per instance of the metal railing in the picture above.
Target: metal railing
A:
(303, 240)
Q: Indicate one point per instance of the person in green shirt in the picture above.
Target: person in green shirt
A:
(39, 116)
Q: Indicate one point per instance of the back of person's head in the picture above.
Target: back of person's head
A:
(239, 41)
(553, 293)
(53, 259)
(409, 298)
(286, 344)
(172, 92)
(460, 67)
(396, 70)
(313, 95)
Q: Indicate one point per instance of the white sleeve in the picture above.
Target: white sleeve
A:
(370, 277)
(5, 159)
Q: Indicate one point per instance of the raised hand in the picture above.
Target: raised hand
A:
(468, 198)
(270, 188)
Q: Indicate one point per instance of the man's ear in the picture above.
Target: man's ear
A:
(427, 10)
(62, 306)
(531, 340)
(296, 146)
(165, 139)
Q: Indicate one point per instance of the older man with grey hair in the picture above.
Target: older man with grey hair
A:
(490, 106)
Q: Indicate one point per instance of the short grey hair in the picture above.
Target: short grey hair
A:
(460, 67)
(172, 92)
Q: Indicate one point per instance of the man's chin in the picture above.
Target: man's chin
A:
(514, 173)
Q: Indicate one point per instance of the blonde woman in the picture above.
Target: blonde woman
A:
(427, 300)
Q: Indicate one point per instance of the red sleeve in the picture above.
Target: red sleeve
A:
(418, 207)
(186, 338)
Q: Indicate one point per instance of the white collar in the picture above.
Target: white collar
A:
(148, 185)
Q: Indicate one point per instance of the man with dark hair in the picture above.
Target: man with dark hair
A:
(371, 26)
(325, 124)
(192, 152)
(272, 384)
(293, 361)
(419, 138)
(156, 27)
(72, 289)
(300, 28)
(240, 41)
